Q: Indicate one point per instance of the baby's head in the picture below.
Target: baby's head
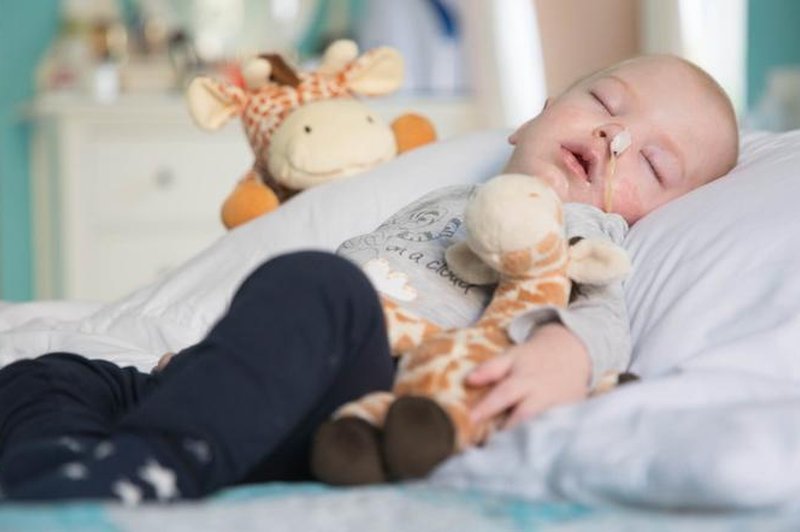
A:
(682, 129)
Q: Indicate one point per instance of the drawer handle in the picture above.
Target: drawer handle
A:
(165, 178)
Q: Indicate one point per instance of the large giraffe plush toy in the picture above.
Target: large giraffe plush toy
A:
(307, 128)
(516, 238)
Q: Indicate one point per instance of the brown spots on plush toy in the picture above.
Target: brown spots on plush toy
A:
(549, 244)
(516, 262)
(554, 293)
(428, 351)
(494, 336)
(507, 307)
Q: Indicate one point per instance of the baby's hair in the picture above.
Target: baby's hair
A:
(727, 109)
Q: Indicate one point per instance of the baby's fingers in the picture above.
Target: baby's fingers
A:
(530, 407)
(491, 371)
(501, 398)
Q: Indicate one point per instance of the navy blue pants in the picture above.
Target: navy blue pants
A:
(303, 335)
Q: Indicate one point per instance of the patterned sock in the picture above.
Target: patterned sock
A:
(126, 467)
(38, 457)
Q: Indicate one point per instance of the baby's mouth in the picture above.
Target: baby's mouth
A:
(577, 163)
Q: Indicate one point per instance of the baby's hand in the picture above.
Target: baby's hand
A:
(162, 362)
(550, 369)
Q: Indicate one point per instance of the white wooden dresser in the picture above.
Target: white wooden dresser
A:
(124, 192)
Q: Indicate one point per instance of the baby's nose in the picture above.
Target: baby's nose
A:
(608, 131)
(605, 136)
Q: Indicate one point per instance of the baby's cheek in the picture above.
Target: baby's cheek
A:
(626, 200)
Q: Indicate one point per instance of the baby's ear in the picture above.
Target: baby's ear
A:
(597, 262)
(468, 266)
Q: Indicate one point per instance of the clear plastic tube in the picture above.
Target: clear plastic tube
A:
(619, 144)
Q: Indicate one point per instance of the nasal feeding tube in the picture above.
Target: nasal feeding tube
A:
(619, 144)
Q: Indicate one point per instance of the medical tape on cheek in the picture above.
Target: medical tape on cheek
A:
(619, 144)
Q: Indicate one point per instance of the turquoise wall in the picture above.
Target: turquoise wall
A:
(26, 29)
(773, 28)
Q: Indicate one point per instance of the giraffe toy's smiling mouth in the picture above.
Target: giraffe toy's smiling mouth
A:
(340, 172)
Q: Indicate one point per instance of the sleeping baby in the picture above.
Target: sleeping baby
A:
(305, 332)
(614, 146)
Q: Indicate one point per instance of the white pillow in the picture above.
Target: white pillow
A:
(716, 273)
(179, 309)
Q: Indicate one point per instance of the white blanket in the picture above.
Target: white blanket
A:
(716, 423)
(700, 440)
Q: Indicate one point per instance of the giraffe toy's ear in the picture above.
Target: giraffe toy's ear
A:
(212, 103)
(463, 262)
(597, 262)
(377, 72)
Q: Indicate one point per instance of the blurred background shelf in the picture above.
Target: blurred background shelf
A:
(125, 191)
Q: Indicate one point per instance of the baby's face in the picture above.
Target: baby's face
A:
(680, 137)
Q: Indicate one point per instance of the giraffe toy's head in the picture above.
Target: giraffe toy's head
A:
(309, 128)
(515, 229)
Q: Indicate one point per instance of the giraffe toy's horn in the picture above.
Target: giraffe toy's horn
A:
(256, 72)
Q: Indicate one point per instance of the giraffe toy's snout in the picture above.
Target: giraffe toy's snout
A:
(326, 140)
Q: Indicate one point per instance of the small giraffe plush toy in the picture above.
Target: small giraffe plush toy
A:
(307, 128)
(516, 238)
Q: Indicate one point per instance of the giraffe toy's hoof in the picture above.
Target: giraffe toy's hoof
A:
(418, 435)
(627, 377)
(347, 452)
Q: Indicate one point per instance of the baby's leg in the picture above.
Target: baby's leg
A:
(304, 334)
(55, 409)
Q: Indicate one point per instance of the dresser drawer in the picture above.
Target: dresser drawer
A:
(124, 261)
(162, 178)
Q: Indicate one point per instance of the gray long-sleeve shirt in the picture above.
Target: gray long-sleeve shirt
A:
(404, 258)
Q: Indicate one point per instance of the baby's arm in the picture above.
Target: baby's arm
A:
(561, 353)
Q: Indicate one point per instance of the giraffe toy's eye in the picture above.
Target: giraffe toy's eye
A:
(307, 129)
(370, 119)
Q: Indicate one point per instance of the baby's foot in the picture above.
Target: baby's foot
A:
(126, 467)
(36, 458)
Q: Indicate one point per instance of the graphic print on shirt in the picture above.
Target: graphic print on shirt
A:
(404, 258)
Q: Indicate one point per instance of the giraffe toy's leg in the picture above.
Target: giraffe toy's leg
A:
(418, 435)
(347, 449)
(421, 432)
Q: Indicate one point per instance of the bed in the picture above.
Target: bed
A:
(711, 437)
